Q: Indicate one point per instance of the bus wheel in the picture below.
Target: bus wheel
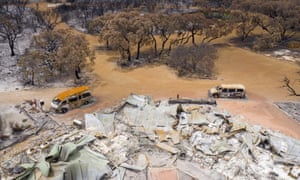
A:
(64, 110)
(86, 102)
(215, 95)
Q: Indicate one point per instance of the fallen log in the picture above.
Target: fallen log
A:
(193, 101)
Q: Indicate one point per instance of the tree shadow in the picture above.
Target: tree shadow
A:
(146, 58)
(247, 43)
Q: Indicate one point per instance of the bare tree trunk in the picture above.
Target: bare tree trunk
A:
(32, 77)
(128, 55)
(163, 45)
(12, 47)
(283, 35)
(107, 44)
(193, 37)
(77, 71)
(127, 50)
(170, 48)
(155, 44)
(138, 49)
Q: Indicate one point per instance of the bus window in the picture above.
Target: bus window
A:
(240, 90)
(73, 99)
(231, 90)
(87, 94)
(224, 90)
(56, 101)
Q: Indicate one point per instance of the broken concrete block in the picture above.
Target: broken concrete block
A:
(210, 130)
(174, 135)
(167, 147)
(223, 115)
(295, 172)
(108, 122)
(220, 147)
(149, 117)
(141, 163)
(235, 127)
(102, 147)
(238, 126)
(137, 100)
(198, 119)
(162, 135)
(92, 123)
(250, 140)
(186, 131)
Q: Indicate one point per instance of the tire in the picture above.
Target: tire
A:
(64, 110)
(243, 97)
(215, 96)
(86, 103)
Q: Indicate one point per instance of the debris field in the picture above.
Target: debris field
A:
(145, 139)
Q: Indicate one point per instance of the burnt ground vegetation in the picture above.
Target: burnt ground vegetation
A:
(146, 31)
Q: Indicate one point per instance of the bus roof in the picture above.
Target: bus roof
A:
(234, 86)
(61, 96)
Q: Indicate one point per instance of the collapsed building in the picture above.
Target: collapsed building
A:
(145, 139)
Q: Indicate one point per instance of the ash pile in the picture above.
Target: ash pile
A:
(291, 109)
(156, 140)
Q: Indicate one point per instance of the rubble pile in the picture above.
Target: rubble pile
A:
(146, 139)
(25, 130)
(22, 121)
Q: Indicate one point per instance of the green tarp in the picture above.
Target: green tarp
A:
(70, 161)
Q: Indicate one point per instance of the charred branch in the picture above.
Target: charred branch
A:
(287, 84)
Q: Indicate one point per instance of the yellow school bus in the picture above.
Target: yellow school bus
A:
(70, 99)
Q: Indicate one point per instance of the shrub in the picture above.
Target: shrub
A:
(193, 61)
